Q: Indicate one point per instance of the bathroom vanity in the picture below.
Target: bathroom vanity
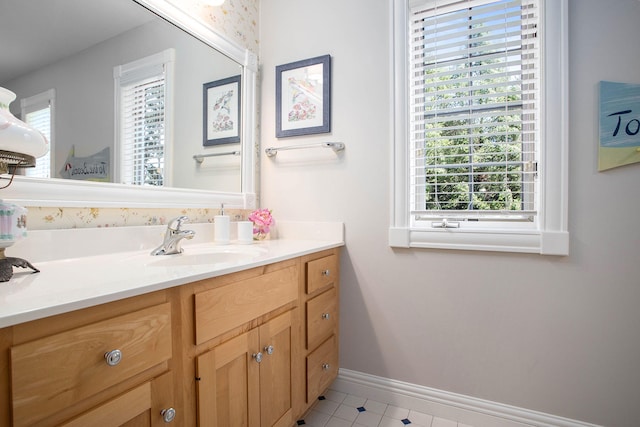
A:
(251, 339)
(107, 335)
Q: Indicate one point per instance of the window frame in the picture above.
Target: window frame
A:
(550, 236)
(141, 69)
(31, 104)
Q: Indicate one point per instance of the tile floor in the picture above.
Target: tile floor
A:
(336, 409)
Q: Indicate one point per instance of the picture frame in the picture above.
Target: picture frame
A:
(303, 97)
(221, 111)
(619, 125)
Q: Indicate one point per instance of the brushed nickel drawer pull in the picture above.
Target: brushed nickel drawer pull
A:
(113, 357)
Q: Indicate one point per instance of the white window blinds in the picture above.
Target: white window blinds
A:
(37, 112)
(474, 109)
(143, 132)
(143, 89)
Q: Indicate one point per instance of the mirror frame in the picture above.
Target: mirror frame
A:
(70, 193)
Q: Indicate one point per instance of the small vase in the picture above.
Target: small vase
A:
(260, 235)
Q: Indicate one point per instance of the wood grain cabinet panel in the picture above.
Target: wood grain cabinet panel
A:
(321, 297)
(130, 406)
(322, 368)
(322, 314)
(57, 371)
(275, 372)
(246, 381)
(143, 406)
(221, 309)
(321, 273)
(228, 383)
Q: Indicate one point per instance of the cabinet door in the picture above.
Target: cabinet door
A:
(275, 372)
(228, 383)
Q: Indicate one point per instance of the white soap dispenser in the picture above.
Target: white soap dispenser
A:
(221, 226)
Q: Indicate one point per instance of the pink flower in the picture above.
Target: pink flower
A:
(262, 220)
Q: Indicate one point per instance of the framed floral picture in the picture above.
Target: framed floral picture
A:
(303, 97)
(221, 110)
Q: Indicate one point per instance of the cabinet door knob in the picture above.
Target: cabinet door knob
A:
(325, 366)
(113, 357)
(257, 357)
(326, 316)
(269, 349)
(168, 414)
(326, 272)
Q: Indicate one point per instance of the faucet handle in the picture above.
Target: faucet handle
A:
(176, 223)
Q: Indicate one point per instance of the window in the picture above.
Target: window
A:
(38, 112)
(143, 115)
(480, 114)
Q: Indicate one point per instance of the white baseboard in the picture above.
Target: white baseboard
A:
(452, 406)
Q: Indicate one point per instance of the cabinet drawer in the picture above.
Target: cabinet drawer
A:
(322, 368)
(321, 273)
(141, 406)
(133, 404)
(221, 309)
(57, 371)
(322, 315)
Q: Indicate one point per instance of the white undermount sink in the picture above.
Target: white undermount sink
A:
(208, 255)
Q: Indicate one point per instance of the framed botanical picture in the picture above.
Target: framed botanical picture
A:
(221, 111)
(303, 97)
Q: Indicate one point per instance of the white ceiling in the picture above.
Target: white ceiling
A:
(34, 33)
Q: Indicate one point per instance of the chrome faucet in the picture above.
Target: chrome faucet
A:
(173, 237)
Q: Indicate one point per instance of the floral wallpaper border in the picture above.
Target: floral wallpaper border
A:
(235, 19)
(50, 218)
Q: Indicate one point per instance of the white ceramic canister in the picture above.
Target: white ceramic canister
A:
(15, 135)
(245, 232)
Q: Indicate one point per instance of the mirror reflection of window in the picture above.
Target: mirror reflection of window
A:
(38, 112)
(143, 109)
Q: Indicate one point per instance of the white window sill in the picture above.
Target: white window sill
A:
(544, 243)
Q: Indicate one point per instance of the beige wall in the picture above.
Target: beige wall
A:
(554, 334)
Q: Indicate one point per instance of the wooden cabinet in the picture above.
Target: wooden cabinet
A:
(253, 348)
(321, 303)
(247, 380)
(107, 366)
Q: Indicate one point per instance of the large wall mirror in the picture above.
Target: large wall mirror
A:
(81, 54)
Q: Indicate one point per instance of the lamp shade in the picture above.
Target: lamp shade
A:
(15, 135)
